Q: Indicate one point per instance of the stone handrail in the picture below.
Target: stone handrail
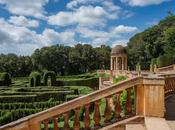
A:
(166, 68)
(143, 88)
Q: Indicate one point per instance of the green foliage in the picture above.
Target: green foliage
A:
(52, 76)
(19, 101)
(5, 79)
(119, 78)
(164, 60)
(35, 79)
(90, 82)
(154, 42)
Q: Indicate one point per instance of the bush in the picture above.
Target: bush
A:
(90, 82)
(164, 60)
(119, 78)
(50, 74)
(36, 97)
(35, 79)
(5, 79)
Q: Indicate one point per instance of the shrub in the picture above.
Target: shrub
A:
(90, 82)
(50, 74)
(36, 97)
(164, 60)
(119, 78)
(35, 79)
(5, 79)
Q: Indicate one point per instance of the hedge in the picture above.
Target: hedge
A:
(34, 105)
(35, 79)
(33, 98)
(90, 82)
(13, 115)
(5, 79)
(165, 60)
(50, 74)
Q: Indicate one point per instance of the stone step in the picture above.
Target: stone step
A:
(153, 123)
(135, 127)
(121, 125)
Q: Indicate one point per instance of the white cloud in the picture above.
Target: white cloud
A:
(143, 2)
(51, 37)
(24, 41)
(124, 29)
(122, 42)
(109, 36)
(85, 15)
(23, 21)
(74, 3)
(25, 7)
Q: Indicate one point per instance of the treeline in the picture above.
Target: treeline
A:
(64, 60)
(155, 45)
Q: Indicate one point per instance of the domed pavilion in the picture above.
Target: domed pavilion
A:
(119, 58)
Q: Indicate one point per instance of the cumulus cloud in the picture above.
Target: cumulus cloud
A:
(85, 15)
(74, 3)
(22, 38)
(51, 37)
(143, 2)
(23, 21)
(124, 29)
(109, 36)
(25, 7)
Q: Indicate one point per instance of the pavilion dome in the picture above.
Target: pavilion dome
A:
(118, 49)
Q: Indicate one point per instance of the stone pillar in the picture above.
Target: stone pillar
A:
(123, 63)
(150, 97)
(111, 63)
(126, 63)
(116, 65)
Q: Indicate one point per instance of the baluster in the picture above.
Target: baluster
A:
(66, 121)
(76, 120)
(87, 117)
(55, 120)
(46, 124)
(118, 108)
(97, 116)
(128, 102)
(107, 112)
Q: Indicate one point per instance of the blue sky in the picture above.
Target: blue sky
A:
(26, 25)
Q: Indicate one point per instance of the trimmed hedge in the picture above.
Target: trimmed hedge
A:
(5, 79)
(13, 115)
(50, 74)
(34, 98)
(34, 105)
(35, 79)
(90, 82)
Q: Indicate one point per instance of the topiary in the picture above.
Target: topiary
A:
(5, 79)
(50, 74)
(35, 79)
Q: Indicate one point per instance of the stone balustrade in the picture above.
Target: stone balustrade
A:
(145, 97)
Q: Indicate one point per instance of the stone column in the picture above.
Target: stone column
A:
(123, 63)
(116, 65)
(126, 63)
(111, 63)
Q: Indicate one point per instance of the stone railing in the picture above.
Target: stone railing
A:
(166, 68)
(148, 101)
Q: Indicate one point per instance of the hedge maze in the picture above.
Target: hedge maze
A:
(5, 79)
(20, 97)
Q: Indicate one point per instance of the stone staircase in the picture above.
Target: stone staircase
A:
(148, 102)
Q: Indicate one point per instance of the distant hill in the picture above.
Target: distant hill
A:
(155, 45)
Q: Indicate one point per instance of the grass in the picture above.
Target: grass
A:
(119, 78)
